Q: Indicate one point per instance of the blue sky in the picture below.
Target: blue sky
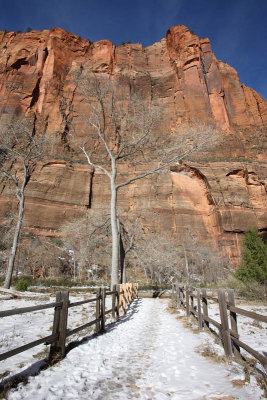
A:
(237, 28)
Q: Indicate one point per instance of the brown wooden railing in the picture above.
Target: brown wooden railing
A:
(196, 301)
(122, 296)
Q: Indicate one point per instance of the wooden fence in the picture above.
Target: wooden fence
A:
(122, 296)
(196, 301)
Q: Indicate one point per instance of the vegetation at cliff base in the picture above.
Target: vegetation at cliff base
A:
(22, 285)
(254, 258)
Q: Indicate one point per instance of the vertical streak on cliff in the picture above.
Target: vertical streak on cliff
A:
(91, 189)
(259, 110)
(219, 184)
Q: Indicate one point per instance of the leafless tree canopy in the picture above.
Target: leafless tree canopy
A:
(20, 148)
(19, 151)
(127, 130)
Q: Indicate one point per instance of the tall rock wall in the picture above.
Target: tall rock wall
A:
(216, 197)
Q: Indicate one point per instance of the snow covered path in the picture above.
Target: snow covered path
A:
(147, 355)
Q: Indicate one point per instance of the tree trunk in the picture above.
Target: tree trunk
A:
(186, 264)
(115, 234)
(15, 241)
(74, 266)
(124, 272)
(122, 261)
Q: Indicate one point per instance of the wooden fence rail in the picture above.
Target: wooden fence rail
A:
(228, 326)
(122, 296)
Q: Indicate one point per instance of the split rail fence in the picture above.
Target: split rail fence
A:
(196, 301)
(122, 296)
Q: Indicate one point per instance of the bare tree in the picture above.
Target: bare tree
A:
(88, 241)
(41, 258)
(209, 264)
(122, 131)
(203, 262)
(19, 151)
(160, 257)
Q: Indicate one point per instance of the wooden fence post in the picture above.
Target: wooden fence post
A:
(60, 325)
(175, 299)
(125, 291)
(178, 295)
(118, 301)
(136, 290)
(123, 297)
(103, 308)
(97, 311)
(182, 296)
(128, 295)
(132, 292)
(233, 319)
(200, 326)
(173, 294)
(224, 321)
(191, 298)
(113, 301)
(205, 307)
(187, 301)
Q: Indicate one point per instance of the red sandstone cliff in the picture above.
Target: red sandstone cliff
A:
(36, 72)
(217, 197)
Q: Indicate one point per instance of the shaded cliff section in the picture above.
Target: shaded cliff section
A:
(216, 197)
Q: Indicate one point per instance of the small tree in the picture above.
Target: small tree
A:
(19, 150)
(88, 241)
(160, 258)
(254, 258)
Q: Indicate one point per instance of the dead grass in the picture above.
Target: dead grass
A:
(188, 323)
(257, 324)
(172, 309)
(4, 374)
(207, 352)
(238, 383)
(263, 384)
(42, 354)
(133, 386)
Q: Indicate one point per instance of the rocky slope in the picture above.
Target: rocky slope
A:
(215, 197)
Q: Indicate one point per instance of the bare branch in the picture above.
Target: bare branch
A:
(96, 166)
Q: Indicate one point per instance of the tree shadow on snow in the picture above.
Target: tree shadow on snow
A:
(131, 311)
(12, 381)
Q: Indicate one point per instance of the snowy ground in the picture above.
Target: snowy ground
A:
(20, 329)
(251, 332)
(147, 355)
